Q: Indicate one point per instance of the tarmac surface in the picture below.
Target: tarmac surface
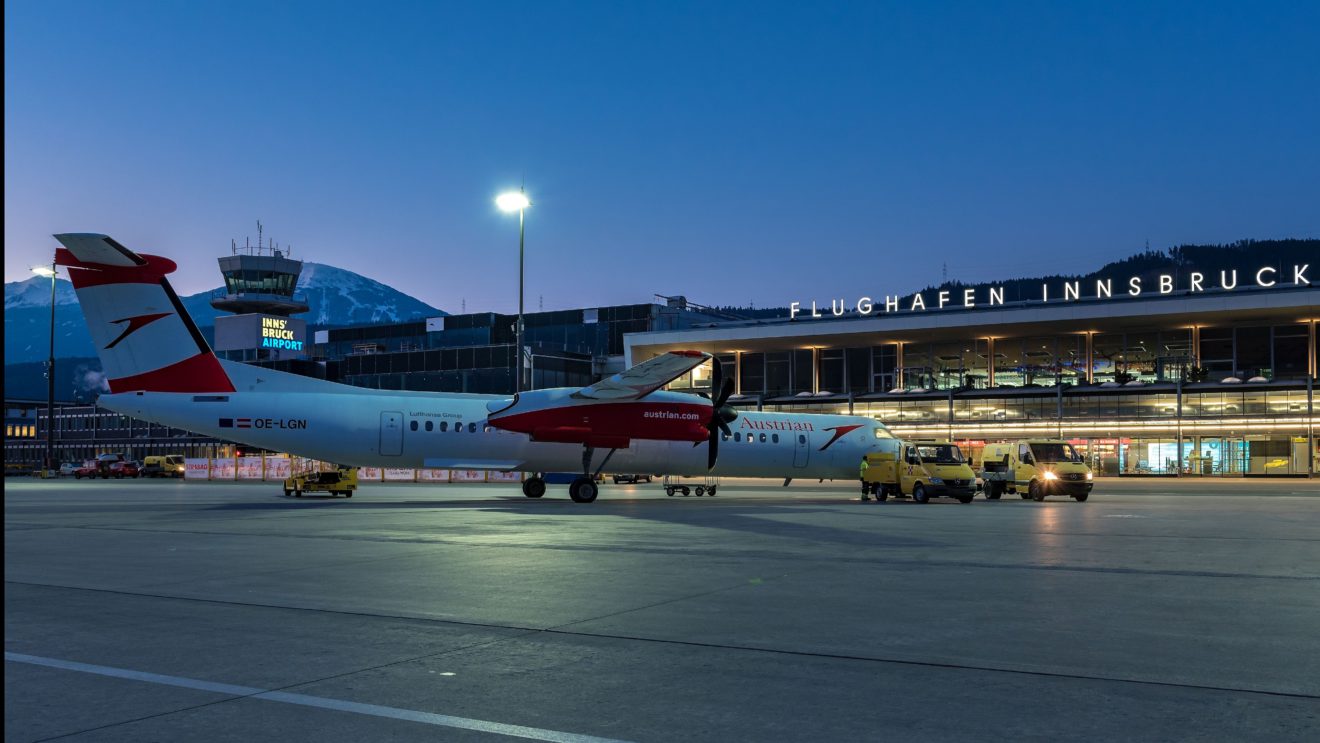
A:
(1158, 610)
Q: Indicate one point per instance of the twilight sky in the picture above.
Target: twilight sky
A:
(735, 152)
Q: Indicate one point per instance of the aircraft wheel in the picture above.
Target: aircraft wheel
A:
(533, 487)
(919, 494)
(583, 490)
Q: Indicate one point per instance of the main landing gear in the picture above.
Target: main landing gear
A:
(534, 487)
(583, 489)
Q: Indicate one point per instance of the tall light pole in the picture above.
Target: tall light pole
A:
(509, 202)
(50, 371)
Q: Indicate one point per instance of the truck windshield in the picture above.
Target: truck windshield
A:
(940, 454)
(1055, 453)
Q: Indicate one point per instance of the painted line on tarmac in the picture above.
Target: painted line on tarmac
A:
(305, 700)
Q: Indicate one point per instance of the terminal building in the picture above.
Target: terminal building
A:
(1187, 377)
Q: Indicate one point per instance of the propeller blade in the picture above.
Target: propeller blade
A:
(713, 452)
(724, 427)
(723, 393)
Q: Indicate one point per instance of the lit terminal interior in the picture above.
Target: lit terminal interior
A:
(1205, 383)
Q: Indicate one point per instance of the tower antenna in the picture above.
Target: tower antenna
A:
(258, 235)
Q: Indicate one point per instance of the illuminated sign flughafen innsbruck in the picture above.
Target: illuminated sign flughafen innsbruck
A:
(1193, 282)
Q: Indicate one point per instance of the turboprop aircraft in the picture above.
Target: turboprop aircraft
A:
(160, 368)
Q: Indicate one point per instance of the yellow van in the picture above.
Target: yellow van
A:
(922, 469)
(166, 465)
(1035, 468)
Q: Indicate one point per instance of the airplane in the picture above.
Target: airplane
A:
(160, 368)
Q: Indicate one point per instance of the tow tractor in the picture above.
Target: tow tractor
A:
(339, 481)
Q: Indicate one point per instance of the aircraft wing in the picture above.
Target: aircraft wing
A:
(645, 378)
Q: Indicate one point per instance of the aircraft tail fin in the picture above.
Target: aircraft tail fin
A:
(143, 334)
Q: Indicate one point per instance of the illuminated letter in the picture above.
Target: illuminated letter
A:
(793, 310)
(969, 297)
(943, 298)
(1072, 290)
(1135, 284)
(1197, 278)
(1104, 287)
(837, 307)
(1299, 274)
(1260, 281)
(1166, 283)
(864, 306)
(996, 295)
(918, 301)
(814, 313)
(891, 303)
(1223, 280)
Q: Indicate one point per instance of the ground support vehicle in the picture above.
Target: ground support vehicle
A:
(922, 469)
(706, 486)
(18, 468)
(1035, 468)
(68, 468)
(168, 465)
(339, 481)
(630, 478)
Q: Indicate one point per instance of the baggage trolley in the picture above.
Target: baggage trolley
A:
(706, 486)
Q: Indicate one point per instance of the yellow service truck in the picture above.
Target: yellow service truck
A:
(1035, 468)
(339, 481)
(922, 469)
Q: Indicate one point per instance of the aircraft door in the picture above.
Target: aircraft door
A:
(801, 450)
(391, 433)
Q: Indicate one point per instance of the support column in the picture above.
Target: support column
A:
(737, 372)
(990, 361)
(815, 369)
(1090, 357)
(899, 366)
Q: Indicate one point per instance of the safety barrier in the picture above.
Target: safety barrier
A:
(267, 468)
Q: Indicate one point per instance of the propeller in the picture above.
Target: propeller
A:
(721, 413)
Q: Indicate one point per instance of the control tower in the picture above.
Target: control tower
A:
(260, 283)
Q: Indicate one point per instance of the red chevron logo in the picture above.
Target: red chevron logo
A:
(135, 323)
(839, 431)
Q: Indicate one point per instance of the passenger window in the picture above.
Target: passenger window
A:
(429, 425)
(802, 438)
(412, 425)
(472, 428)
(444, 426)
(737, 437)
(774, 438)
(762, 438)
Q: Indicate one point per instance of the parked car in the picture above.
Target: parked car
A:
(90, 468)
(126, 468)
(631, 478)
(168, 465)
(67, 469)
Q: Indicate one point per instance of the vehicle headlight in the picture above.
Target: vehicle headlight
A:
(936, 481)
(1051, 476)
(1089, 476)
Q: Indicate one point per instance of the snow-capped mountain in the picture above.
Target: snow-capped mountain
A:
(35, 292)
(336, 297)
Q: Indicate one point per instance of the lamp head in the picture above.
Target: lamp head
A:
(44, 271)
(512, 201)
